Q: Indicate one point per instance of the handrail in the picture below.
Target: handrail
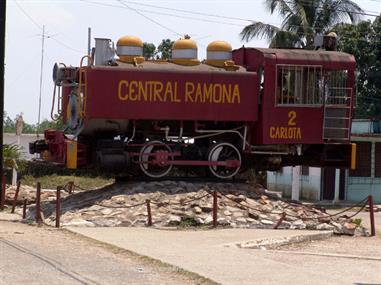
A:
(82, 81)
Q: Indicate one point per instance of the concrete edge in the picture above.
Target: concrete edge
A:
(334, 255)
(270, 243)
(193, 276)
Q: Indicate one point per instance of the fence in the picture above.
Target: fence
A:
(70, 186)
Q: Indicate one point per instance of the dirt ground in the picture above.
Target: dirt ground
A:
(43, 255)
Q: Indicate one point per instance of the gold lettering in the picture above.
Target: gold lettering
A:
(215, 93)
(272, 133)
(285, 133)
(189, 90)
(176, 99)
(168, 92)
(123, 96)
(132, 88)
(236, 94)
(208, 92)
(227, 92)
(157, 90)
(298, 134)
(198, 97)
(142, 90)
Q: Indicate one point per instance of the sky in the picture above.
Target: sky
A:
(66, 23)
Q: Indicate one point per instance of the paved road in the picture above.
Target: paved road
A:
(211, 254)
(32, 255)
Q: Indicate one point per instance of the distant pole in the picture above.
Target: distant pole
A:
(41, 71)
(2, 64)
(88, 45)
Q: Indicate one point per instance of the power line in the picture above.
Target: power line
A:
(28, 16)
(149, 19)
(190, 12)
(165, 14)
(308, 3)
(41, 28)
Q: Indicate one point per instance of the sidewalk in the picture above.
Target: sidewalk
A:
(214, 254)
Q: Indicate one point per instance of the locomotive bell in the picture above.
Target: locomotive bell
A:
(184, 52)
(130, 49)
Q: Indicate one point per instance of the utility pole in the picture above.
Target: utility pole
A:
(2, 65)
(89, 44)
(41, 71)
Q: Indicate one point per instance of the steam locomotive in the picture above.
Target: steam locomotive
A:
(246, 108)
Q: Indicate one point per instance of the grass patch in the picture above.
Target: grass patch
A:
(52, 181)
(357, 221)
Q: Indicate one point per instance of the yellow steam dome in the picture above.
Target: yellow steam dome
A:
(219, 46)
(130, 49)
(130, 41)
(219, 54)
(184, 52)
(184, 44)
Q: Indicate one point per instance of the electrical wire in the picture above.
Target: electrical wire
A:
(149, 19)
(41, 28)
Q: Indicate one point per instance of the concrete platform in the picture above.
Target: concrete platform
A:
(215, 254)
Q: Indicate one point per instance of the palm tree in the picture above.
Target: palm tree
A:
(302, 20)
(11, 155)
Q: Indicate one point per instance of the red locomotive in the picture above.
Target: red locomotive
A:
(251, 107)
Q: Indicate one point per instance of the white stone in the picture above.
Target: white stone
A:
(325, 227)
(208, 220)
(267, 222)
(241, 220)
(78, 223)
(197, 210)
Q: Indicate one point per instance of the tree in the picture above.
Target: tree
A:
(149, 50)
(302, 20)
(11, 155)
(164, 50)
(8, 124)
(364, 42)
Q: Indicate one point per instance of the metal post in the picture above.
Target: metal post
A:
(215, 208)
(2, 196)
(282, 217)
(16, 196)
(71, 187)
(149, 222)
(41, 73)
(2, 56)
(38, 203)
(24, 209)
(58, 207)
(89, 45)
(371, 213)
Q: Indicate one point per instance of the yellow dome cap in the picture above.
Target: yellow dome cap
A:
(130, 41)
(219, 46)
(184, 44)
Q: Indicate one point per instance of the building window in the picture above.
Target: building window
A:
(377, 165)
(363, 160)
(299, 85)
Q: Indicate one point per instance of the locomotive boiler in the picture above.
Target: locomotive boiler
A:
(237, 109)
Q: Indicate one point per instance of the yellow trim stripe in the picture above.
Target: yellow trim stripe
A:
(353, 156)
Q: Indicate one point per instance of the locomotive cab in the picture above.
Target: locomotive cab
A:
(307, 102)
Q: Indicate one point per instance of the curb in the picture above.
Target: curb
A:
(270, 243)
